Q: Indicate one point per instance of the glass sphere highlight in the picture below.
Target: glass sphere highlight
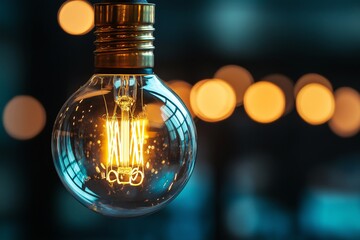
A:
(124, 145)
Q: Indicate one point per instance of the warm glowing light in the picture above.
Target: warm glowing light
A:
(193, 93)
(311, 78)
(213, 100)
(264, 102)
(154, 115)
(286, 85)
(182, 89)
(125, 141)
(315, 103)
(24, 117)
(238, 77)
(346, 119)
(76, 17)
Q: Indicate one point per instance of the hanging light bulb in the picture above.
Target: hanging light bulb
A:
(124, 144)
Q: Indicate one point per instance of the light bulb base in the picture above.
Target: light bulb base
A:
(124, 35)
(145, 71)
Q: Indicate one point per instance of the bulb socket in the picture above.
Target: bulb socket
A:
(124, 35)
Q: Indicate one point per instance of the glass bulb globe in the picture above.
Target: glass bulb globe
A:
(124, 145)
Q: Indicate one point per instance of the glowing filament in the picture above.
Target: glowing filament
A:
(125, 161)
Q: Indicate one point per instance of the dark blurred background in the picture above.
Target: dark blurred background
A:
(284, 180)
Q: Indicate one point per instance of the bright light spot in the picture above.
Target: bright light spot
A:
(253, 217)
(330, 212)
(154, 114)
(239, 78)
(76, 17)
(346, 119)
(125, 160)
(264, 102)
(286, 85)
(182, 89)
(311, 78)
(213, 100)
(315, 103)
(193, 93)
(24, 117)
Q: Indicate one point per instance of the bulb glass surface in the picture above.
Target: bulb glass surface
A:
(124, 145)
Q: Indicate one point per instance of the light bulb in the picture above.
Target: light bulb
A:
(124, 144)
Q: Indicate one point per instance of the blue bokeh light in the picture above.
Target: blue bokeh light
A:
(233, 26)
(331, 214)
(253, 216)
(193, 197)
(331, 205)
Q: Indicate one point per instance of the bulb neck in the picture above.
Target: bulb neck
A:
(121, 71)
(124, 37)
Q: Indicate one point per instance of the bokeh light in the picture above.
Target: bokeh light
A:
(200, 184)
(24, 117)
(331, 214)
(330, 203)
(264, 102)
(213, 100)
(233, 28)
(238, 77)
(311, 78)
(286, 85)
(76, 17)
(250, 172)
(193, 214)
(255, 217)
(315, 103)
(346, 119)
(182, 89)
(193, 93)
(154, 114)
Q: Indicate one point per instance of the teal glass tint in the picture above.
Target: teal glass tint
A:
(124, 145)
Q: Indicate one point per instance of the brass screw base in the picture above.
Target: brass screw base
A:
(124, 35)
